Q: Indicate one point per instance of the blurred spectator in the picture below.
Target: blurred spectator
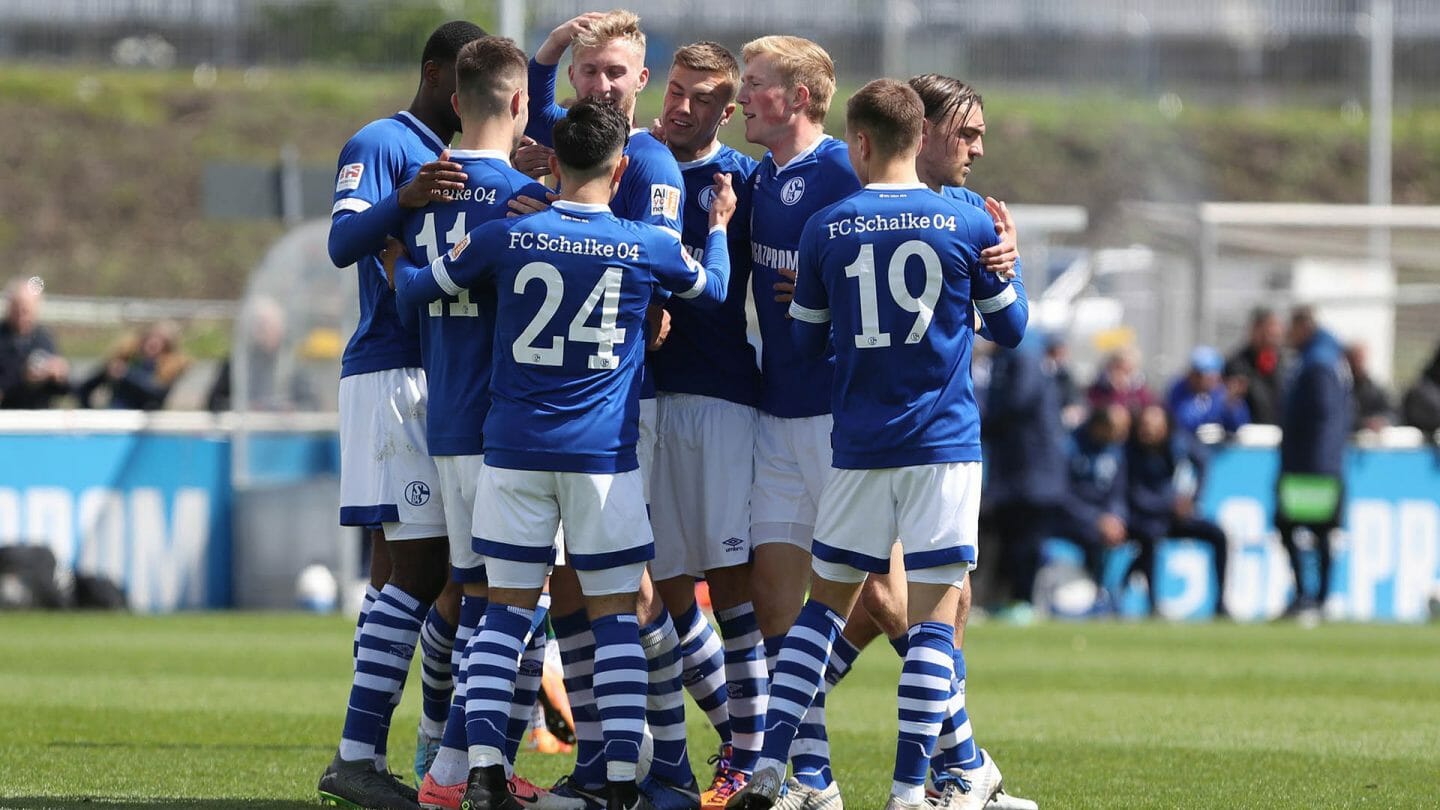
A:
(1094, 513)
(1024, 459)
(1200, 398)
(1422, 402)
(1057, 357)
(32, 372)
(1373, 409)
(1121, 382)
(140, 371)
(1261, 365)
(1310, 489)
(1163, 478)
(272, 381)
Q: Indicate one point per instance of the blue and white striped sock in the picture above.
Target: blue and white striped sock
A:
(452, 764)
(527, 689)
(577, 653)
(665, 700)
(956, 747)
(799, 672)
(387, 643)
(371, 594)
(493, 658)
(437, 641)
(703, 659)
(747, 682)
(620, 688)
(922, 696)
(842, 658)
(810, 751)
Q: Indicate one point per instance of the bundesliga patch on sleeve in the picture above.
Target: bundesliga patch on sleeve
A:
(459, 247)
(665, 201)
(349, 178)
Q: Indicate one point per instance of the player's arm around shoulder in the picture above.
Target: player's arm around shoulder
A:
(704, 285)
(810, 303)
(462, 267)
(1000, 302)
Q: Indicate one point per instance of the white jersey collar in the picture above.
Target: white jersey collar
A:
(477, 154)
(804, 153)
(581, 208)
(434, 139)
(891, 186)
(703, 159)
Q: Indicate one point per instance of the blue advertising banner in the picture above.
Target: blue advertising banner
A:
(1386, 563)
(149, 511)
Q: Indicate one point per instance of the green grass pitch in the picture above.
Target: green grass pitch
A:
(243, 710)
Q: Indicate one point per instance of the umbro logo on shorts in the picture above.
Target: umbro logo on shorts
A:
(417, 493)
(733, 544)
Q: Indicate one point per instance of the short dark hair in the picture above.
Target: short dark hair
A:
(710, 57)
(943, 95)
(889, 112)
(1259, 315)
(445, 44)
(487, 71)
(590, 135)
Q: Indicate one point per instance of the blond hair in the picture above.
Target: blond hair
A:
(799, 62)
(621, 24)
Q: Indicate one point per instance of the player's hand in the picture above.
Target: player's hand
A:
(1001, 258)
(785, 290)
(722, 208)
(522, 205)
(531, 159)
(390, 254)
(657, 130)
(554, 47)
(431, 182)
(659, 321)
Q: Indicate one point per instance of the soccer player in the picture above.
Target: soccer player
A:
(456, 337)
(608, 65)
(573, 285)
(785, 93)
(387, 478)
(894, 274)
(964, 774)
(709, 385)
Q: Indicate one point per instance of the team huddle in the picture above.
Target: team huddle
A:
(553, 422)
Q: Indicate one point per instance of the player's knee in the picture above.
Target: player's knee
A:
(421, 568)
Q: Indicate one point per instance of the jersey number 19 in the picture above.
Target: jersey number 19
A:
(923, 305)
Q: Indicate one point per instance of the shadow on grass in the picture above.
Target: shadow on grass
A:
(191, 746)
(98, 803)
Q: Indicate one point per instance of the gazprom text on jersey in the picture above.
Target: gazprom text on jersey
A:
(589, 246)
(875, 223)
(778, 258)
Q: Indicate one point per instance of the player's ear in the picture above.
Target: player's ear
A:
(430, 74)
(644, 79)
(517, 102)
(554, 164)
(620, 167)
(802, 98)
(455, 102)
(729, 111)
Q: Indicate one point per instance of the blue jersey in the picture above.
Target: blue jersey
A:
(966, 195)
(794, 384)
(650, 189)
(894, 270)
(573, 284)
(707, 352)
(378, 160)
(457, 332)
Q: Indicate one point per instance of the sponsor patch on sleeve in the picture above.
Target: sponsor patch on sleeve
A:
(459, 247)
(665, 201)
(349, 178)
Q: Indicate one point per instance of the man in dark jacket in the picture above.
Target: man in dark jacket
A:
(1261, 365)
(1024, 458)
(1094, 512)
(1422, 402)
(32, 372)
(1310, 491)
(1163, 476)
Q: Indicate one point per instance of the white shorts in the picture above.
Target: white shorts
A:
(933, 510)
(792, 464)
(700, 488)
(387, 477)
(607, 535)
(645, 444)
(459, 478)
